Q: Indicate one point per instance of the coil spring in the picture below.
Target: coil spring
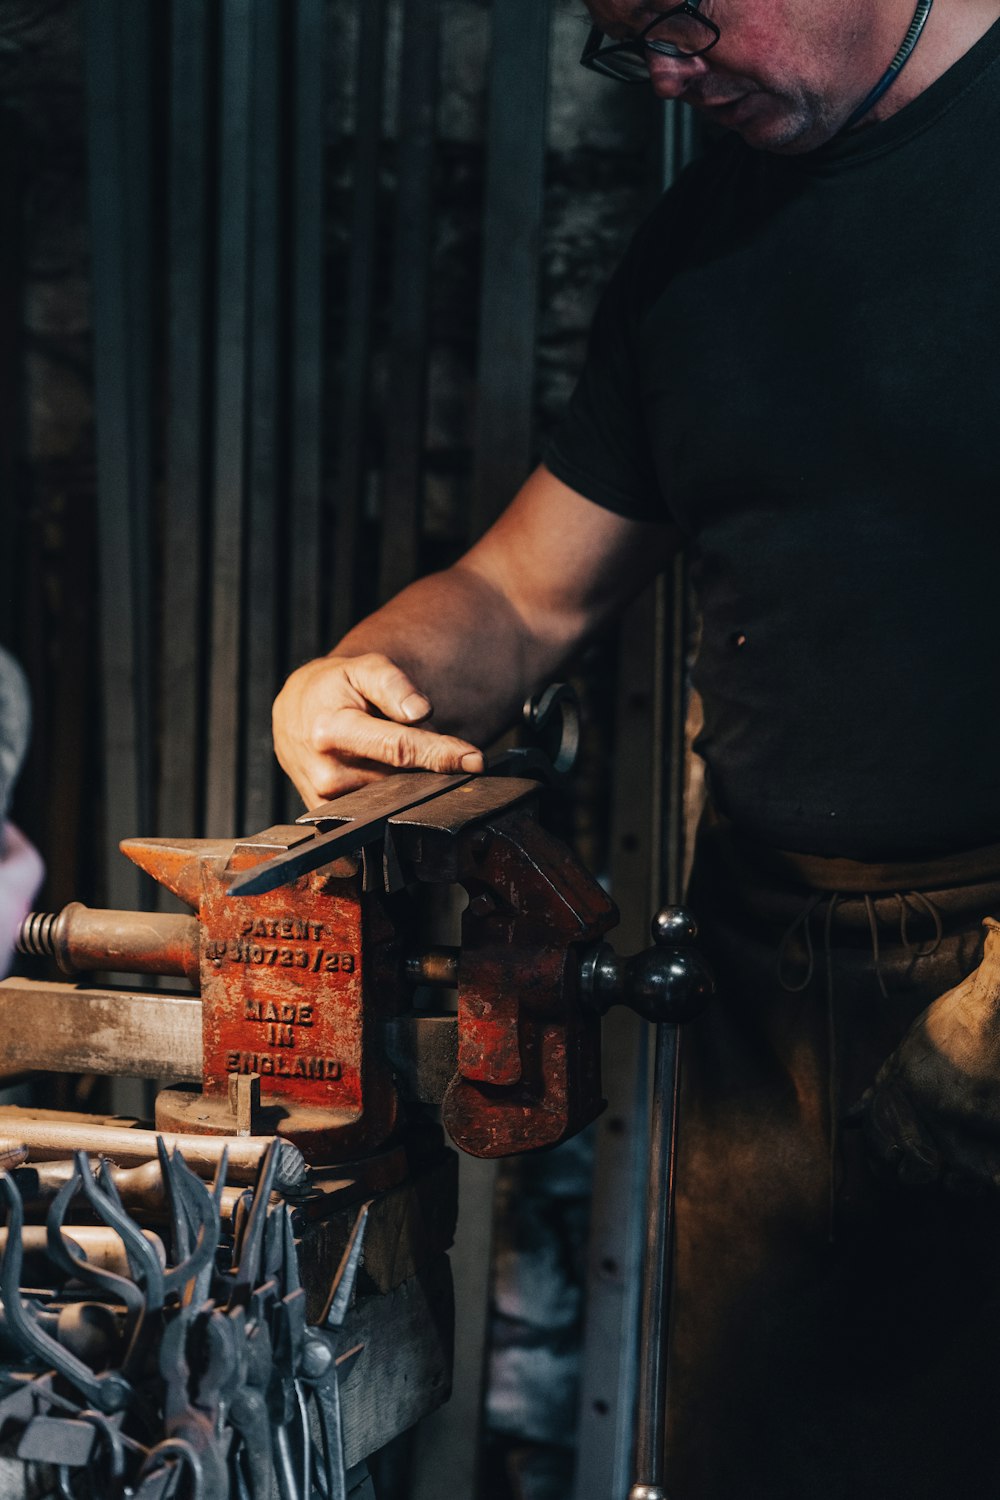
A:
(35, 934)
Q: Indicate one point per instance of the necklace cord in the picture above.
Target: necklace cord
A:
(896, 67)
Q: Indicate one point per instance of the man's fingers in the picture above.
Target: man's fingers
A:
(386, 687)
(361, 737)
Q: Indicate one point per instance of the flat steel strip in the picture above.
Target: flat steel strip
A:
(337, 843)
(228, 468)
(182, 656)
(265, 555)
(512, 234)
(405, 416)
(352, 434)
(122, 802)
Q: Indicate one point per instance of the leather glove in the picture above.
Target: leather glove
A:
(933, 1114)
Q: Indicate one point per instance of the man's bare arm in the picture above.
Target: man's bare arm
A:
(466, 646)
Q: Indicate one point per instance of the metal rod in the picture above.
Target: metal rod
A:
(352, 429)
(181, 656)
(512, 263)
(671, 646)
(50, 1139)
(229, 457)
(264, 555)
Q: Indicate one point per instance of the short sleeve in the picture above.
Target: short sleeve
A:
(601, 448)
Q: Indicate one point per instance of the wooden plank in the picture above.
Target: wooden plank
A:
(56, 1028)
(353, 402)
(508, 323)
(265, 554)
(405, 415)
(229, 463)
(404, 1372)
(118, 629)
(307, 318)
(182, 656)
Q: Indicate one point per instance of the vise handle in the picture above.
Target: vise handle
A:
(669, 982)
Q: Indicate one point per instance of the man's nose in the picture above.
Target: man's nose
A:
(672, 76)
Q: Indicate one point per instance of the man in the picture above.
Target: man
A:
(792, 373)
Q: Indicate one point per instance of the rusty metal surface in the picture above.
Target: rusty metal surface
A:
(122, 942)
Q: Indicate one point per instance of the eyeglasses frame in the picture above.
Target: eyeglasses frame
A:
(599, 45)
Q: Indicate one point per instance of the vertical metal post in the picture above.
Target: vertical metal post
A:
(181, 653)
(670, 649)
(306, 329)
(402, 510)
(264, 551)
(306, 332)
(123, 493)
(229, 458)
(353, 425)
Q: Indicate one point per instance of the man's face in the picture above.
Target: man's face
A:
(785, 73)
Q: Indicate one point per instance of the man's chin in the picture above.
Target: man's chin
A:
(769, 123)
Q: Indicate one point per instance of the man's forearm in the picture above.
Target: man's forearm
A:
(464, 645)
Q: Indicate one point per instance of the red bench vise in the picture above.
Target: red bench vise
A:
(310, 1026)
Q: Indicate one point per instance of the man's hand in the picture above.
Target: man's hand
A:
(342, 721)
(934, 1112)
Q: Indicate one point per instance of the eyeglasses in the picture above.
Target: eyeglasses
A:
(680, 32)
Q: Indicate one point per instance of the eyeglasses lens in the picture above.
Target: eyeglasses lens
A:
(679, 36)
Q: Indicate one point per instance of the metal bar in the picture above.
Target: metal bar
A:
(181, 655)
(610, 1356)
(366, 828)
(512, 259)
(405, 416)
(99, 1031)
(671, 647)
(352, 431)
(136, 125)
(229, 460)
(115, 471)
(50, 1136)
(260, 595)
(307, 318)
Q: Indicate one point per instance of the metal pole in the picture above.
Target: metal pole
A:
(657, 1283)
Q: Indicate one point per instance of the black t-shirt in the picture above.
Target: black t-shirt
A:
(798, 361)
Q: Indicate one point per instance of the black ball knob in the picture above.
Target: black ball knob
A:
(674, 927)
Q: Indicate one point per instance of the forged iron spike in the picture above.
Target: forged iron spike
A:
(178, 1215)
(293, 1280)
(343, 1282)
(247, 1272)
(202, 1210)
(109, 1391)
(142, 1257)
(107, 1182)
